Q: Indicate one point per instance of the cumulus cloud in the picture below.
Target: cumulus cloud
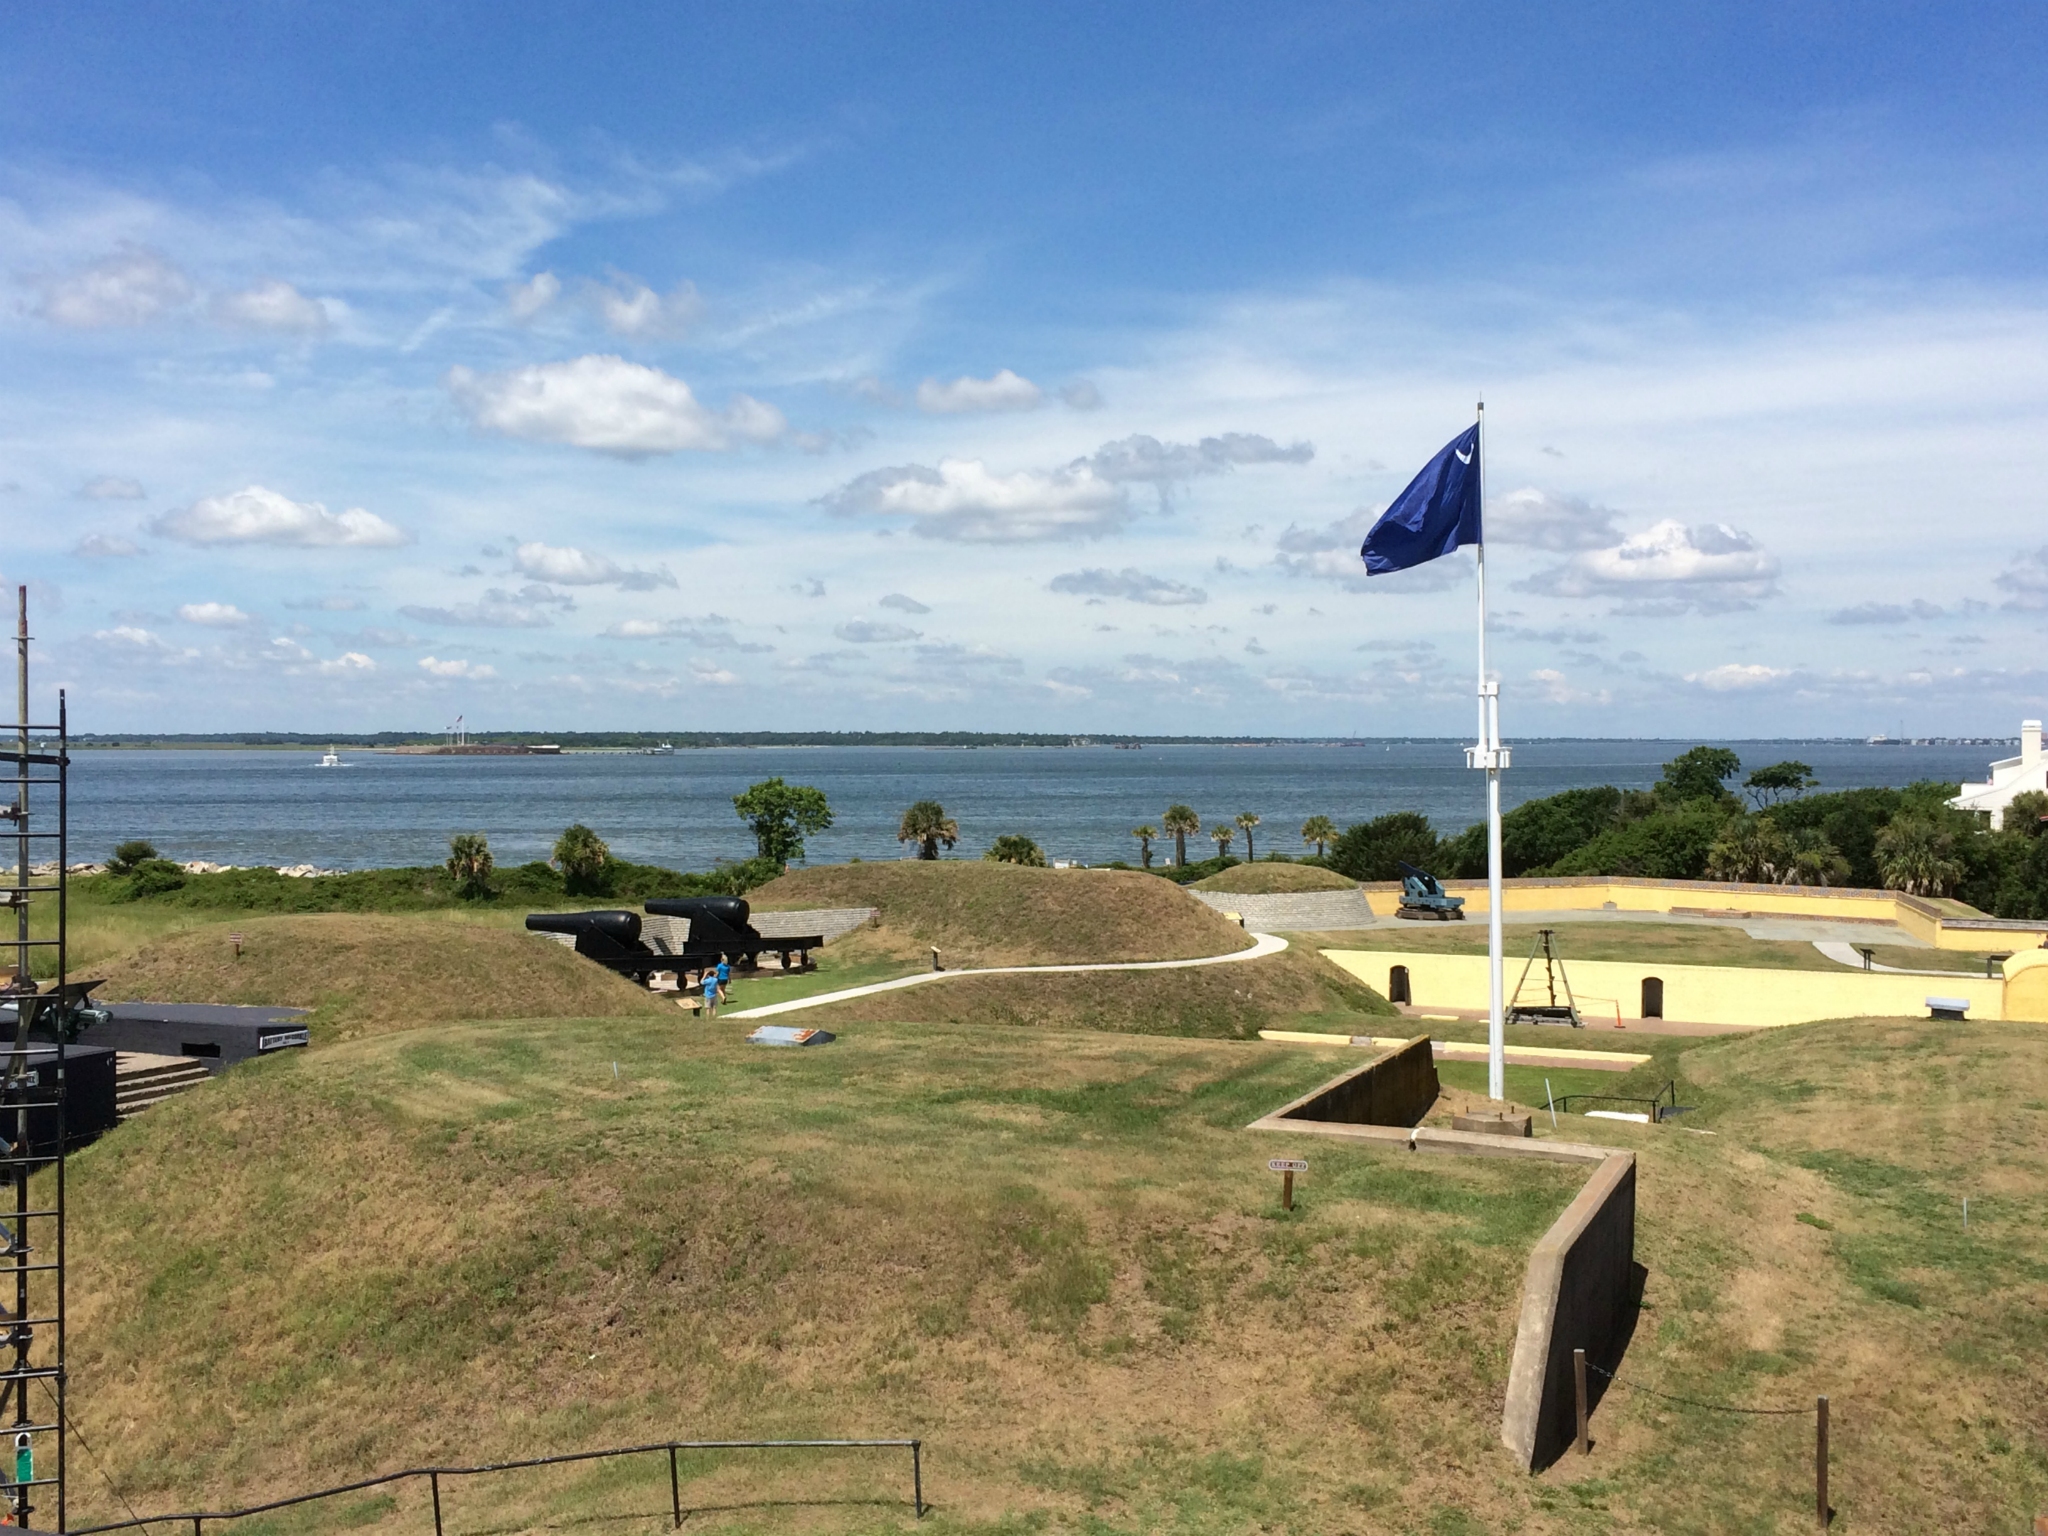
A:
(1081, 395)
(1668, 568)
(132, 635)
(111, 488)
(105, 546)
(703, 671)
(348, 664)
(904, 604)
(629, 307)
(608, 405)
(259, 516)
(868, 632)
(271, 306)
(498, 609)
(1129, 583)
(1557, 523)
(1886, 613)
(1330, 553)
(526, 300)
(1734, 676)
(133, 286)
(571, 567)
(1005, 391)
(1554, 688)
(327, 604)
(711, 633)
(213, 615)
(433, 666)
(964, 500)
(2025, 581)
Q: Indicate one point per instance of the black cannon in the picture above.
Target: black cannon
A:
(722, 926)
(1423, 897)
(610, 937)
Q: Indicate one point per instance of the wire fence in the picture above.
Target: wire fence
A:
(197, 1518)
(1694, 1402)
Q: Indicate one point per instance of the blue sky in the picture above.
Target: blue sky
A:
(902, 367)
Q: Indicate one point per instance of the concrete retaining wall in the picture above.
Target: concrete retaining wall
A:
(1579, 1294)
(1397, 1088)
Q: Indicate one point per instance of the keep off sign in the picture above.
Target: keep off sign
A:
(1288, 1165)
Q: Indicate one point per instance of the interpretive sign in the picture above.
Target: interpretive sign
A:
(1288, 1165)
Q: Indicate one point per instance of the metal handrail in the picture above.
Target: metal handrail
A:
(1665, 1097)
(198, 1517)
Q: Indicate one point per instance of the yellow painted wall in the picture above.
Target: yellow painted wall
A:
(1921, 919)
(2026, 986)
(1696, 994)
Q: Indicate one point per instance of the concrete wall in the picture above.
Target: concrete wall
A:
(1579, 1293)
(1945, 925)
(2026, 986)
(1694, 994)
(1395, 1089)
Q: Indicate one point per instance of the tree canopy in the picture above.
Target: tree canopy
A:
(781, 816)
(927, 824)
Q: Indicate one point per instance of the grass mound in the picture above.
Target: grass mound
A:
(1294, 990)
(1007, 914)
(1274, 879)
(1065, 1268)
(365, 974)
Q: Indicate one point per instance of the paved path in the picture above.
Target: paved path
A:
(1835, 949)
(1294, 911)
(1266, 945)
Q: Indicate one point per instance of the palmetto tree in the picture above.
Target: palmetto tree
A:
(1913, 855)
(1247, 820)
(1222, 834)
(1319, 830)
(1016, 848)
(1750, 849)
(1179, 821)
(583, 859)
(1144, 835)
(927, 824)
(469, 863)
(1815, 860)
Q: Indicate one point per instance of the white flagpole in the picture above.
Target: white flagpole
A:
(1490, 755)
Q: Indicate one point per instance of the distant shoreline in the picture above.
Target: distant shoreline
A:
(521, 744)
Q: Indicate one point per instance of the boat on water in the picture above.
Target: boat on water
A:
(664, 749)
(332, 759)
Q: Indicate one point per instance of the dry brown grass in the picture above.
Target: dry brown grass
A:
(370, 974)
(982, 914)
(1273, 879)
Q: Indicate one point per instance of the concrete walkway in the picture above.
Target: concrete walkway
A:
(1266, 945)
(1294, 911)
(1846, 954)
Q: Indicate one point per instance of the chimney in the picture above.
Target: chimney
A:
(2030, 742)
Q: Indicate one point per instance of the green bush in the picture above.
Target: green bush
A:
(1375, 850)
(1016, 848)
(585, 862)
(129, 855)
(154, 877)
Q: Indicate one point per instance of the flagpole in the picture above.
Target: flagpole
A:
(1492, 758)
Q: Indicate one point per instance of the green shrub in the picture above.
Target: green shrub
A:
(129, 855)
(585, 862)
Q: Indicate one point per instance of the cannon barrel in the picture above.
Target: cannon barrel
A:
(620, 927)
(728, 911)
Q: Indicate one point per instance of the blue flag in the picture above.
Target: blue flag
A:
(1439, 512)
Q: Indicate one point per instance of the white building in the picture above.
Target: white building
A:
(2014, 776)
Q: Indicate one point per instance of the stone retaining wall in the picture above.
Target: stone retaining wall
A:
(1396, 1089)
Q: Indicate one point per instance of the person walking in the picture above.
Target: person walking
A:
(724, 977)
(710, 980)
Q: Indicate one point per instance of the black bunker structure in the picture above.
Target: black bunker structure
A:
(682, 933)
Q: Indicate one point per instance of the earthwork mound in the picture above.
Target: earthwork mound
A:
(1274, 880)
(1006, 914)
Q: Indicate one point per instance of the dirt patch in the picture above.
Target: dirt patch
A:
(983, 914)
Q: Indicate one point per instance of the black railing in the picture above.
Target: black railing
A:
(197, 1518)
(1661, 1106)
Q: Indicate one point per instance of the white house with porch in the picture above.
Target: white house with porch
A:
(2014, 776)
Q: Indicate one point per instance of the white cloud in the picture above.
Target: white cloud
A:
(111, 488)
(327, 604)
(868, 632)
(133, 635)
(271, 306)
(964, 500)
(1146, 459)
(1558, 523)
(1668, 568)
(571, 567)
(1733, 676)
(631, 308)
(606, 404)
(133, 286)
(348, 664)
(1005, 391)
(526, 300)
(213, 615)
(1129, 583)
(2026, 581)
(1081, 395)
(498, 609)
(433, 666)
(259, 516)
(904, 604)
(1886, 613)
(1554, 688)
(105, 546)
(713, 633)
(710, 672)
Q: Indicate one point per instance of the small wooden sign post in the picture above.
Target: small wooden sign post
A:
(1287, 1168)
(236, 940)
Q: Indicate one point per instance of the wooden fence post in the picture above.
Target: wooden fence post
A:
(1579, 1389)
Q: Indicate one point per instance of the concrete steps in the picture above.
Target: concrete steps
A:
(142, 1080)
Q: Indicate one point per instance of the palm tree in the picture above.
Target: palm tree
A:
(469, 863)
(1016, 848)
(1913, 855)
(584, 861)
(1750, 849)
(1221, 835)
(1179, 821)
(927, 825)
(1319, 830)
(1815, 860)
(1248, 820)
(1144, 835)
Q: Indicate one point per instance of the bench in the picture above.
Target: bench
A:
(1953, 1009)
